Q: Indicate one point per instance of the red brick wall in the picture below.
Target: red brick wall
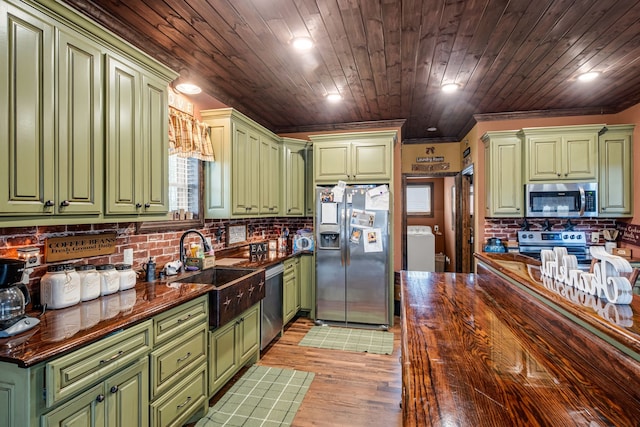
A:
(163, 246)
(507, 228)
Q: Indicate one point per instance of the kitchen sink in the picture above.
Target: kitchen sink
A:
(235, 290)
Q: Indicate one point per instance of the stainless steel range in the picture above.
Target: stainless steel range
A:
(531, 243)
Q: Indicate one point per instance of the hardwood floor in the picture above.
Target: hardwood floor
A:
(349, 389)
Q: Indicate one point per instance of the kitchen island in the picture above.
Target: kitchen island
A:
(484, 350)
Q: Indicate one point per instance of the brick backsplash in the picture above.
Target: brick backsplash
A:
(507, 228)
(162, 246)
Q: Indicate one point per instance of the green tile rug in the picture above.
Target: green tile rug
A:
(338, 338)
(263, 396)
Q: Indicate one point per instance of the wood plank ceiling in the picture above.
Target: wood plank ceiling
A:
(389, 58)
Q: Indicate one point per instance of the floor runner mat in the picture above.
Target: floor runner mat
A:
(263, 396)
(338, 338)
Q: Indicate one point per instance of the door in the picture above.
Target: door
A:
(464, 222)
(367, 276)
(128, 396)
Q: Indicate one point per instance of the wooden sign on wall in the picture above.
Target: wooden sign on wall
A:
(79, 246)
(629, 233)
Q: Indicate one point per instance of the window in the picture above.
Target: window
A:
(419, 199)
(184, 187)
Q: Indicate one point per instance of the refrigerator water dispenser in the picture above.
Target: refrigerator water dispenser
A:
(329, 240)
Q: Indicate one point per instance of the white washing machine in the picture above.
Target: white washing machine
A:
(421, 248)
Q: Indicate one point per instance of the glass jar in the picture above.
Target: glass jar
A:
(127, 276)
(109, 279)
(89, 282)
(60, 287)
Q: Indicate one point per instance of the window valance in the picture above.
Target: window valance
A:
(188, 137)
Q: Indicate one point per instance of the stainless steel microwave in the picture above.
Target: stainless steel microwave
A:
(562, 200)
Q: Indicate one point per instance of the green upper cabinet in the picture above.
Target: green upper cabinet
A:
(244, 181)
(504, 191)
(616, 171)
(137, 140)
(310, 192)
(561, 153)
(27, 111)
(67, 88)
(293, 176)
(363, 157)
(270, 149)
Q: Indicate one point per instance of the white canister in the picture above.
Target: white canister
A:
(109, 279)
(60, 287)
(127, 276)
(89, 282)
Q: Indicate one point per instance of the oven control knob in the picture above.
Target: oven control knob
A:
(573, 237)
(579, 237)
(530, 236)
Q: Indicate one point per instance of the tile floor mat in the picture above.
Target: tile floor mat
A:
(338, 338)
(263, 396)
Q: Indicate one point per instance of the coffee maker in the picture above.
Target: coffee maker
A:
(14, 297)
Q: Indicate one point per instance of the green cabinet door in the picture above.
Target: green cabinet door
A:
(616, 172)
(307, 288)
(245, 170)
(332, 161)
(249, 334)
(123, 162)
(269, 176)
(27, 82)
(291, 289)
(371, 160)
(223, 361)
(80, 126)
(127, 396)
(504, 191)
(86, 410)
(579, 154)
(294, 178)
(310, 192)
(544, 158)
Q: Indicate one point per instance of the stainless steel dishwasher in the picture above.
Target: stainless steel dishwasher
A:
(271, 305)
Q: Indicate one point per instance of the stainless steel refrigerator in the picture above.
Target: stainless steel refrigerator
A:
(352, 254)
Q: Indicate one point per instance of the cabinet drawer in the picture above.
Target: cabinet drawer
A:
(180, 319)
(183, 400)
(76, 371)
(177, 358)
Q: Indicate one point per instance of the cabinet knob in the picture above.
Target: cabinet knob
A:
(147, 205)
(48, 203)
(603, 208)
(558, 174)
(138, 205)
(100, 398)
(64, 203)
(566, 174)
(114, 389)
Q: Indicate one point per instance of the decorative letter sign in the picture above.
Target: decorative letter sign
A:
(605, 282)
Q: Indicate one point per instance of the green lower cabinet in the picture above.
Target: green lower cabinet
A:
(233, 345)
(291, 289)
(176, 408)
(121, 400)
(307, 288)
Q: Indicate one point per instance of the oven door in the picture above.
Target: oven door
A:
(562, 200)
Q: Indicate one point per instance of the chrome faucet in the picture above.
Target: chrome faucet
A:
(183, 253)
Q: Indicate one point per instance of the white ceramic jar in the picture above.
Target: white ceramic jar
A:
(89, 282)
(127, 276)
(109, 279)
(60, 287)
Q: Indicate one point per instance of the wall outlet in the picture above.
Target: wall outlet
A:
(436, 228)
(595, 237)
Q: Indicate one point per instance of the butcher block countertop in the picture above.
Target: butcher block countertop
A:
(479, 351)
(60, 331)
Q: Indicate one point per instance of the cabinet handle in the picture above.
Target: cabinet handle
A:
(184, 319)
(64, 203)
(114, 389)
(138, 205)
(182, 405)
(48, 203)
(112, 358)
(147, 205)
(100, 398)
(186, 356)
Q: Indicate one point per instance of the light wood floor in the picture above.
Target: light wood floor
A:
(349, 389)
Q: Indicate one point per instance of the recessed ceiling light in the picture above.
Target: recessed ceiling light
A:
(334, 97)
(588, 77)
(188, 88)
(432, 129)
(450, 87)
(302, 43)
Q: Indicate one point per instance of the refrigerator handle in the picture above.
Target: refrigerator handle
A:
(347, 236)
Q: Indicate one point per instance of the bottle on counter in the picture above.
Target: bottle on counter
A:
(89, 282)
(109, 279)
(127, 276)
(60, 287)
